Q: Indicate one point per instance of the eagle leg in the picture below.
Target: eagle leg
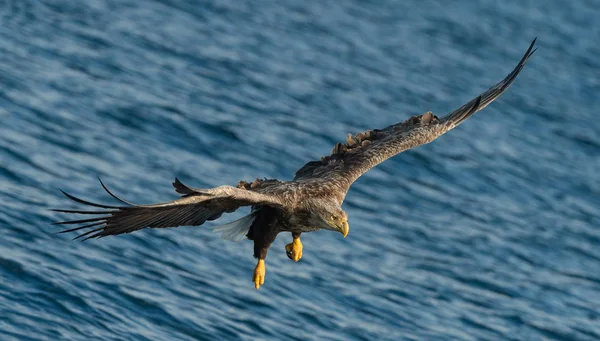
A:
(261, 246)
(294, 249)
(259, 273)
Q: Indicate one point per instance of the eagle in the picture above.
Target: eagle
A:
(310, 202)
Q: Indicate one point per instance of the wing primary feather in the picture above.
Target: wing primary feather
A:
(95, 235)
(470, 112)
(81, 221)
(88, 232)
(462, 113)
(135, 224)
(81, 227)
(98, 235)
(81, 201)
(114, 196)
(82, 212)
(508, 80)
(127, 224)
(163, 218)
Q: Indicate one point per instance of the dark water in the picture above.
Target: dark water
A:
(491, 232)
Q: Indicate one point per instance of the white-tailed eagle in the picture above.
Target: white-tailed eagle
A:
(310, 202)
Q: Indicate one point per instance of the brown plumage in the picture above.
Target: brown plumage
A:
(311, 201)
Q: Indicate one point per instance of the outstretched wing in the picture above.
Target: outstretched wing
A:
(365, 150)
(194, 208)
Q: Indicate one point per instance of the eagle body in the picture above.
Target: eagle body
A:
(303, 198)
(311, 201)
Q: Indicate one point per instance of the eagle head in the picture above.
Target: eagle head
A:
(329, 216)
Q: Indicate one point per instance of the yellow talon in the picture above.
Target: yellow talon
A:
(259, 274)
(294, 250)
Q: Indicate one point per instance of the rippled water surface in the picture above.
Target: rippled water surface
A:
(491, 232)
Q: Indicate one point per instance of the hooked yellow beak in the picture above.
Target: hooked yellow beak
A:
(345, 228)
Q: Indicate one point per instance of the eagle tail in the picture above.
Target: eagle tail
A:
(236, 230)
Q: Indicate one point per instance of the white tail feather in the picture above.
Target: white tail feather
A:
(236, 230)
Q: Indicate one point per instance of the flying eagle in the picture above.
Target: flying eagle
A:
(310, 202)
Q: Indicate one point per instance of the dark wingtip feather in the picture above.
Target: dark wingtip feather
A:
(81, 227)
(97, 235)
(81, 201)
(80, 212)
(474, 108)
(459, 115)
(70, 222)
(528, 53)
(468, 113)
(113, 195)
(89, 232)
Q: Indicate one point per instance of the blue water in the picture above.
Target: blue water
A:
(491, 232)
